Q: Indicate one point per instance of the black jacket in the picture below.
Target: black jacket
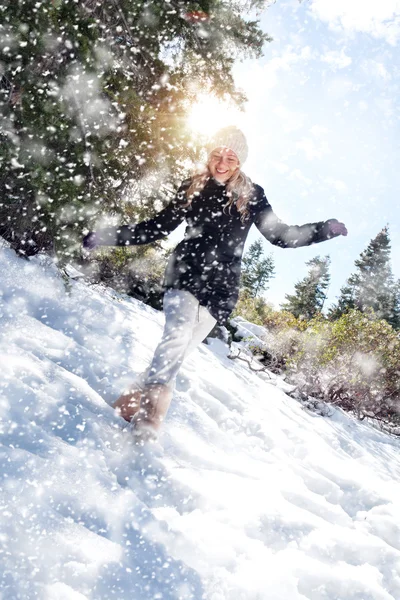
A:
(207, 262)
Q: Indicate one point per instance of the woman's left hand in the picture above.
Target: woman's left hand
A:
(336, 227)
(89, 242)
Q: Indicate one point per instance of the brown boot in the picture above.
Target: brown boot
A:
(154, 406)
(128, 404)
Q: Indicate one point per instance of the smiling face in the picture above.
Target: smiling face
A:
(223, 163)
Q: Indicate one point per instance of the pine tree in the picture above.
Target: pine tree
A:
(346, 300)
(372, 286)
(310, 294)
(93, 97)
(257, 269)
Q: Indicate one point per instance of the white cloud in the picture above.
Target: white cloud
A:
(311, 149)
(336, 184)
(376, 69)
(290, 120)
(339, 87)
(259, 77)
(379, 18)
(318, 130)
(297, 174)
(386, 106)
(338, 59)
(280, 167)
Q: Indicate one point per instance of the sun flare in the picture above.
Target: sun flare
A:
(209, 114)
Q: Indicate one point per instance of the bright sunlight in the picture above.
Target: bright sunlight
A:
(209, 114)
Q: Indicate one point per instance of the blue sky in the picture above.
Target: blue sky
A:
(322, 122)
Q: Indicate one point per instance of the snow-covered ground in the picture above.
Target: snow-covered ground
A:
(254, 497)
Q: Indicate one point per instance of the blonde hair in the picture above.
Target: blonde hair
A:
(239, 189)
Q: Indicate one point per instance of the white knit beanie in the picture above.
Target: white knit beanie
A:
(230, 137)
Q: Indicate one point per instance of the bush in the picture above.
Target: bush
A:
(138, 272)
(252, 309)
(282, 331)
(353, 362)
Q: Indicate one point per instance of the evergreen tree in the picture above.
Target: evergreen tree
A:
(346, 300)
(92, 100)
(310, 294)
(257, 269)
(372, 286)
(395, 316)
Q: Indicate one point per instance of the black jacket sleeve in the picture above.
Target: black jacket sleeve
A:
(149, 230)
(287, 236)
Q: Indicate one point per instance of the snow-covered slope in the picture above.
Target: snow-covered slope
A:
(254, 498)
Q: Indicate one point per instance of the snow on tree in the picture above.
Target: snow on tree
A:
(92, 100)
(310, 292)
(372, 286)
(257, 269)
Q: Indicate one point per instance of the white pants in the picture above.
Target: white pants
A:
(187, 324)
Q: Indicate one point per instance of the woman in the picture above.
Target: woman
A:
(219, 205)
